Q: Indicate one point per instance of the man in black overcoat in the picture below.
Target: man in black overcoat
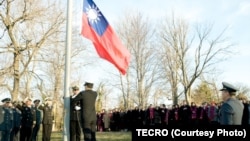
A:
(88, 111)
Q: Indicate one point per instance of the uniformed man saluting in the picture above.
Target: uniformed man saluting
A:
(38, 120)
(7, 115)
(48, 117)
(17, 118)
(28, 119)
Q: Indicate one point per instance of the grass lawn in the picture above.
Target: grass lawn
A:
(100, 136)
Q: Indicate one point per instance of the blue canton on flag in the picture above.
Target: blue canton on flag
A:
(95, 17)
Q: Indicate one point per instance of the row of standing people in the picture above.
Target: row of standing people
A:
(229, 112)
(20, 121)
(177, 115)
(119, 120)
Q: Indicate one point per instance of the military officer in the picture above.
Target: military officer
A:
(48, 117)
(38, 120)
(75, 116)
(28, 119)
(17, 117)
(7, 124)
(88, 111)
(231, 110)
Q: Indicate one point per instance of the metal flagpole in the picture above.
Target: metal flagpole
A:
(67, 72)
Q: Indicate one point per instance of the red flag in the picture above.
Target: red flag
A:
(96, 28)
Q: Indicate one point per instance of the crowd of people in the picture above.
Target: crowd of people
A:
(230, 111)
(21, 121)
(179, 114)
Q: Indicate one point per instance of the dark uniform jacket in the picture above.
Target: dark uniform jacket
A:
(231, 112)
(88, 98)
(39, 116)
(28, 115)
(1, 117)
(7, 115)
(75, 114)
(47, 114)
(17, 118)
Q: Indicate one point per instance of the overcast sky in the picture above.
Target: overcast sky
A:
(234, 14)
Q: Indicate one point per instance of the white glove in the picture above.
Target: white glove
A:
(77, 108)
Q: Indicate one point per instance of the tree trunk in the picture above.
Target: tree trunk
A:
(16, 77)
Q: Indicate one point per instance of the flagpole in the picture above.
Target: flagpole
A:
(66, 130)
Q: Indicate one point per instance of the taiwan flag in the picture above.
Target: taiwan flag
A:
(96, 28)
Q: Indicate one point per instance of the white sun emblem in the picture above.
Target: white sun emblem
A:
(93, 14)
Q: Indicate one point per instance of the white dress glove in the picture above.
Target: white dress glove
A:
(77, 108)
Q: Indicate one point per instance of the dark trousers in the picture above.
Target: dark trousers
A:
(89, 135)
(35, 132)
(89, 130)
(15, 134)
(75, 130)
(47, 129)
(5, 136)
(25, 133)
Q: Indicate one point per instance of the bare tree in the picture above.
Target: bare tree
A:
(172, 33)
(26, 26)
(191, 54)
(137, 35)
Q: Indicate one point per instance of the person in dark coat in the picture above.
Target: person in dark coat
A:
(17, 117)
(116, 118)
(164, 115)
(231, 110)
(135, 117)
(28, 119)
(245, 116)
(185, 113)
(194, 113)
(99, 122)
(47, 120)
(88, 111)
(38, 120)
(149, 114)
(75, 119)
(203, 114)
(213, 113)
(157, 116)
(173, 118)
(7, 124)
